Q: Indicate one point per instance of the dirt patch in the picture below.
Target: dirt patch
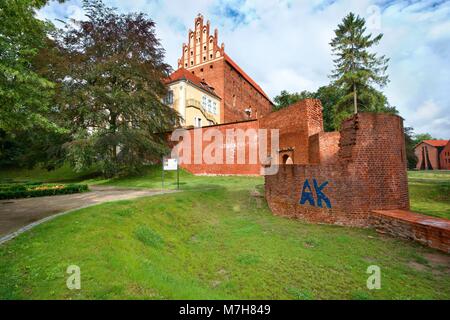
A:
(17, 214)
(417, 266)
(438, 259)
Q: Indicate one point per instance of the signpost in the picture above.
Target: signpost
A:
(171, 164)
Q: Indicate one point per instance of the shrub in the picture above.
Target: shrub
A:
(16, 191)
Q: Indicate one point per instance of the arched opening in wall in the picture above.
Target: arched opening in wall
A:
(287, 159)
(429, 166)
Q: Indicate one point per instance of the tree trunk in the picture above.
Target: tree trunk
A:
(355, 99)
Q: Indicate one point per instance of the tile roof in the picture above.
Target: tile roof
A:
(436, 143)
(245, 76)
(183, 74)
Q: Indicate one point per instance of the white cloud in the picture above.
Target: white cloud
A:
(284, 44)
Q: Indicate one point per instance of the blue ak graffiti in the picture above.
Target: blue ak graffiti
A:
(307, 194)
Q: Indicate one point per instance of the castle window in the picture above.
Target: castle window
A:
(204, 102)
(201, 70)
(192, 63)
(198, 122)
(186, 65)
(214, 108)
(210, 56)
(209, 108)
(192, 53)
(204, 58)
(169, 98)
(211, 66)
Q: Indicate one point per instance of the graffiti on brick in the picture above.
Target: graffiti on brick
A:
(308, 196)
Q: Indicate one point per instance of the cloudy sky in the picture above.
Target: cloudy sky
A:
(284, 44)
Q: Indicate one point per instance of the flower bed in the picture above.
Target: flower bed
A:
(36, 189)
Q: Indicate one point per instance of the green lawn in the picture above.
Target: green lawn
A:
(213, 240)
(430, 193)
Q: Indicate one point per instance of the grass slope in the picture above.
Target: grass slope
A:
(429, 192)
(211, 241)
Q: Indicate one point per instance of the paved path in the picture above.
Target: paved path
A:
(19, 215)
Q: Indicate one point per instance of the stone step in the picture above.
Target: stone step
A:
(430, 231)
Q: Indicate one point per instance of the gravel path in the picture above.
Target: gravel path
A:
(20, 215)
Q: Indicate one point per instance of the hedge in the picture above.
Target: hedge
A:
(16, 191)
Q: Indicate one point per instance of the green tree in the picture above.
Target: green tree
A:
(328, 95)
(285, 98)
(418, 138)
(356, 69)
(24, 95)
(109, 71)
(410, 143)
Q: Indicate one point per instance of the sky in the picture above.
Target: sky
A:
(284, 44)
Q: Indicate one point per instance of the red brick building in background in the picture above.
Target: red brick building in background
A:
(433, 155)
(242, 98)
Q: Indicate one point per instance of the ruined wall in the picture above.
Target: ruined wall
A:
(201, 167)
(369, 174)
(296, 124)
(430, 231)
(324, 147)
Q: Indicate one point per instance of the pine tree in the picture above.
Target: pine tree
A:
(357, 69)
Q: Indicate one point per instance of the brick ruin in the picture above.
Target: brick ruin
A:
(345, 182)
(356, 177)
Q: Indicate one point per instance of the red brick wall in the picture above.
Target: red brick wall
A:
(224, 169)
(296, 124)
(370, 174)
(430, 231)
(236, 92)
(445, 157)
(241, 95)
(432, 162)
(324, 147)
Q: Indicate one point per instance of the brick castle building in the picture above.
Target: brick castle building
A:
(213, 71)
(354, 177)
(433, 155)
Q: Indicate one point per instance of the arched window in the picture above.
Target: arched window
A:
(287, 159)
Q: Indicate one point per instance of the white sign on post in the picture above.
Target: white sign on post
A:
(170, 164)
